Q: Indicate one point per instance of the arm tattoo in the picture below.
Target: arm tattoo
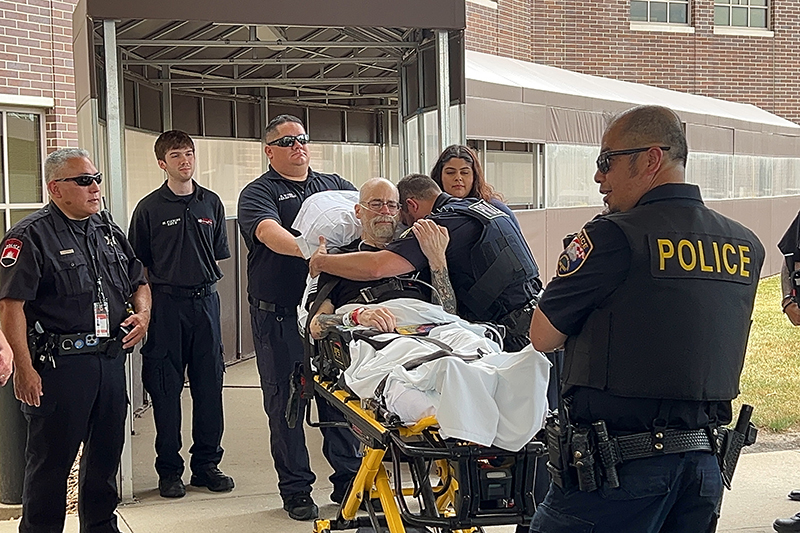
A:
(328, 321)
(441, 281)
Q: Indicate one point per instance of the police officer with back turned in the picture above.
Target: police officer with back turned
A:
(652, 303)
(67, 279)
(178, 231)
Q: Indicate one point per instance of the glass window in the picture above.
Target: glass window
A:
(19, 214)
(24, 158)
(2, 167)
(741, 13)
(569, 176)
(431, 122)
(711, 172)
(412, 141)
(639, 11)
(658, 12)
(354, 162)
(663, 12)
(512, 175)
(21, 183)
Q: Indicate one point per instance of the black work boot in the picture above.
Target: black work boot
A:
(212, 478)
(300, 506)
(171, 486)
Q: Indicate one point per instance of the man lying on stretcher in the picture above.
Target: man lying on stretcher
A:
(377, 210)
(479, 393)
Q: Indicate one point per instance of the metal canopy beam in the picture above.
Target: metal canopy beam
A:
(267, 44)
(275, 82)
(366, 61)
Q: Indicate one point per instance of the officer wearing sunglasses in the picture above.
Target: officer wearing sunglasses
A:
(654, 329)
(276, 279)
(66, 280)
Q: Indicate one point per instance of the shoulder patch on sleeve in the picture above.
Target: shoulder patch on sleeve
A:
(10, 254)
(574, 255)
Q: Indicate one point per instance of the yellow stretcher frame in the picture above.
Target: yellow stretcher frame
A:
(372, 479)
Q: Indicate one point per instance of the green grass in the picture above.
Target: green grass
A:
(771, 378)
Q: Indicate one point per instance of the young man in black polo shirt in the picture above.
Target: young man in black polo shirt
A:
(178, 232)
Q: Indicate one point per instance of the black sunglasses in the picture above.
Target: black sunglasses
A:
(604, 159)
(288, 140)
(84, 180)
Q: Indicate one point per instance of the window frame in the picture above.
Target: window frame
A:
(6, 206)
(730, 5)
(666, 23)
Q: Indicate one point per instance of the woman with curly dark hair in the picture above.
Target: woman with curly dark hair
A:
(458, 172)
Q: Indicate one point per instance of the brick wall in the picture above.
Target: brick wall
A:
(596, 38)
(36, 60)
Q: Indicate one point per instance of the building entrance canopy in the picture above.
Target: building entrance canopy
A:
(345, 55)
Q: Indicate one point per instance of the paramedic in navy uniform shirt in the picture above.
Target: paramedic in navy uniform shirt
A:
(276, 278)
(66, 278)
(652, 302)
(178, 231)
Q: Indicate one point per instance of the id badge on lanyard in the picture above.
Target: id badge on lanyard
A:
(101, 323)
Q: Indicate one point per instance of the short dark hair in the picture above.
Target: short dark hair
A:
(653, 125)
(277, 121)
(480, 189)
(171, 140)
(417, 186)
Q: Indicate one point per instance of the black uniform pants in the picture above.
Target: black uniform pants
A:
(185, 338)
(278, 347)
(85, 400)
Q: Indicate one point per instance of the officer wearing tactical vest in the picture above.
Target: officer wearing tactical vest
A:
(493, 273)
(377, 210)
(652, 303)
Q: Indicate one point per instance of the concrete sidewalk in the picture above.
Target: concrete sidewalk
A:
(759, 495)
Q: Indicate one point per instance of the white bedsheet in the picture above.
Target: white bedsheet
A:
(500, 399)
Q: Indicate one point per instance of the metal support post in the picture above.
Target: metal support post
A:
(443, 87)
(118, 206)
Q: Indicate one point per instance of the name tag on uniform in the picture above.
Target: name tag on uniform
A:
(695, 255)
(101, 328)
(67, 251)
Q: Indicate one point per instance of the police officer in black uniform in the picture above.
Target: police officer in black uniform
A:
(178, 232)
(276, 274)
(68, 275)
(493, 273)
(653, 305)
(378, 207)
(789, 246)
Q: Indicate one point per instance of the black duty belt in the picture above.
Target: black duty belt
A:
(269, 307)
(80, 344)
(641, 445)
(201, 291)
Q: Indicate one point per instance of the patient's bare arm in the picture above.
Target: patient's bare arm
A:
(433, 240)
(379, 318)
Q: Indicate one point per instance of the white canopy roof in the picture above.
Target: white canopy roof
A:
(512, 72)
